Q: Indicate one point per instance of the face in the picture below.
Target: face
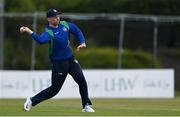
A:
(54, 21)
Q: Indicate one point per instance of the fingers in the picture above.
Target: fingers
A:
(81, 46)
(25, 29)
(22, 29)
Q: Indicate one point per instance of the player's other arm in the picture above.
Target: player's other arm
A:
(77, 32)
(43, 38)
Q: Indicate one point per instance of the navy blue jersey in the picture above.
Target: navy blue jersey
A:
(61, 46)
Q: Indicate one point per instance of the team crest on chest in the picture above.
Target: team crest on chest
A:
(64, 29)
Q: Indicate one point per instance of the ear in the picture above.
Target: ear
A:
(48, 19)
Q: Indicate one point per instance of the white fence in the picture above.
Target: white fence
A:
(141, 83)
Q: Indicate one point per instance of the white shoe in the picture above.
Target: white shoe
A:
(88, 108)
(28, 104)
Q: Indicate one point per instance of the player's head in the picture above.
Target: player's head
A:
(52, 13)
(53, 16)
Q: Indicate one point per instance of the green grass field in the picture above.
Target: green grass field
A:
(103, 107)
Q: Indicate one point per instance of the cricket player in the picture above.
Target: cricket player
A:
(56, 34)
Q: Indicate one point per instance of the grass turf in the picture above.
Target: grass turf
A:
(103, 107)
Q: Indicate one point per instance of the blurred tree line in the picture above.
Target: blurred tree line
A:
(108, 39)
(163, 7)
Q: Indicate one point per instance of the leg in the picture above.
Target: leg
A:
(78, 76)
(59, 73)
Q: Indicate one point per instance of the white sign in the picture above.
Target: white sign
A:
(142, 83)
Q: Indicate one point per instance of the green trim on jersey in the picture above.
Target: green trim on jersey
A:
(51, 40)
(65, 24)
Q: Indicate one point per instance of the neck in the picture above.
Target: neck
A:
(54, 26)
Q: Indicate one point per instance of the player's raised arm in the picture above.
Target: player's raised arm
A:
(43, 38)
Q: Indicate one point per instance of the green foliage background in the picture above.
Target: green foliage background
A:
(107, 58)
(166, 7)
(96, 51)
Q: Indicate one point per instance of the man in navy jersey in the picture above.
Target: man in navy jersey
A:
(56, 34)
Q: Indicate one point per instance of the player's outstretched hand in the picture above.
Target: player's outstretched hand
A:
(25, 29)
(83, 45)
